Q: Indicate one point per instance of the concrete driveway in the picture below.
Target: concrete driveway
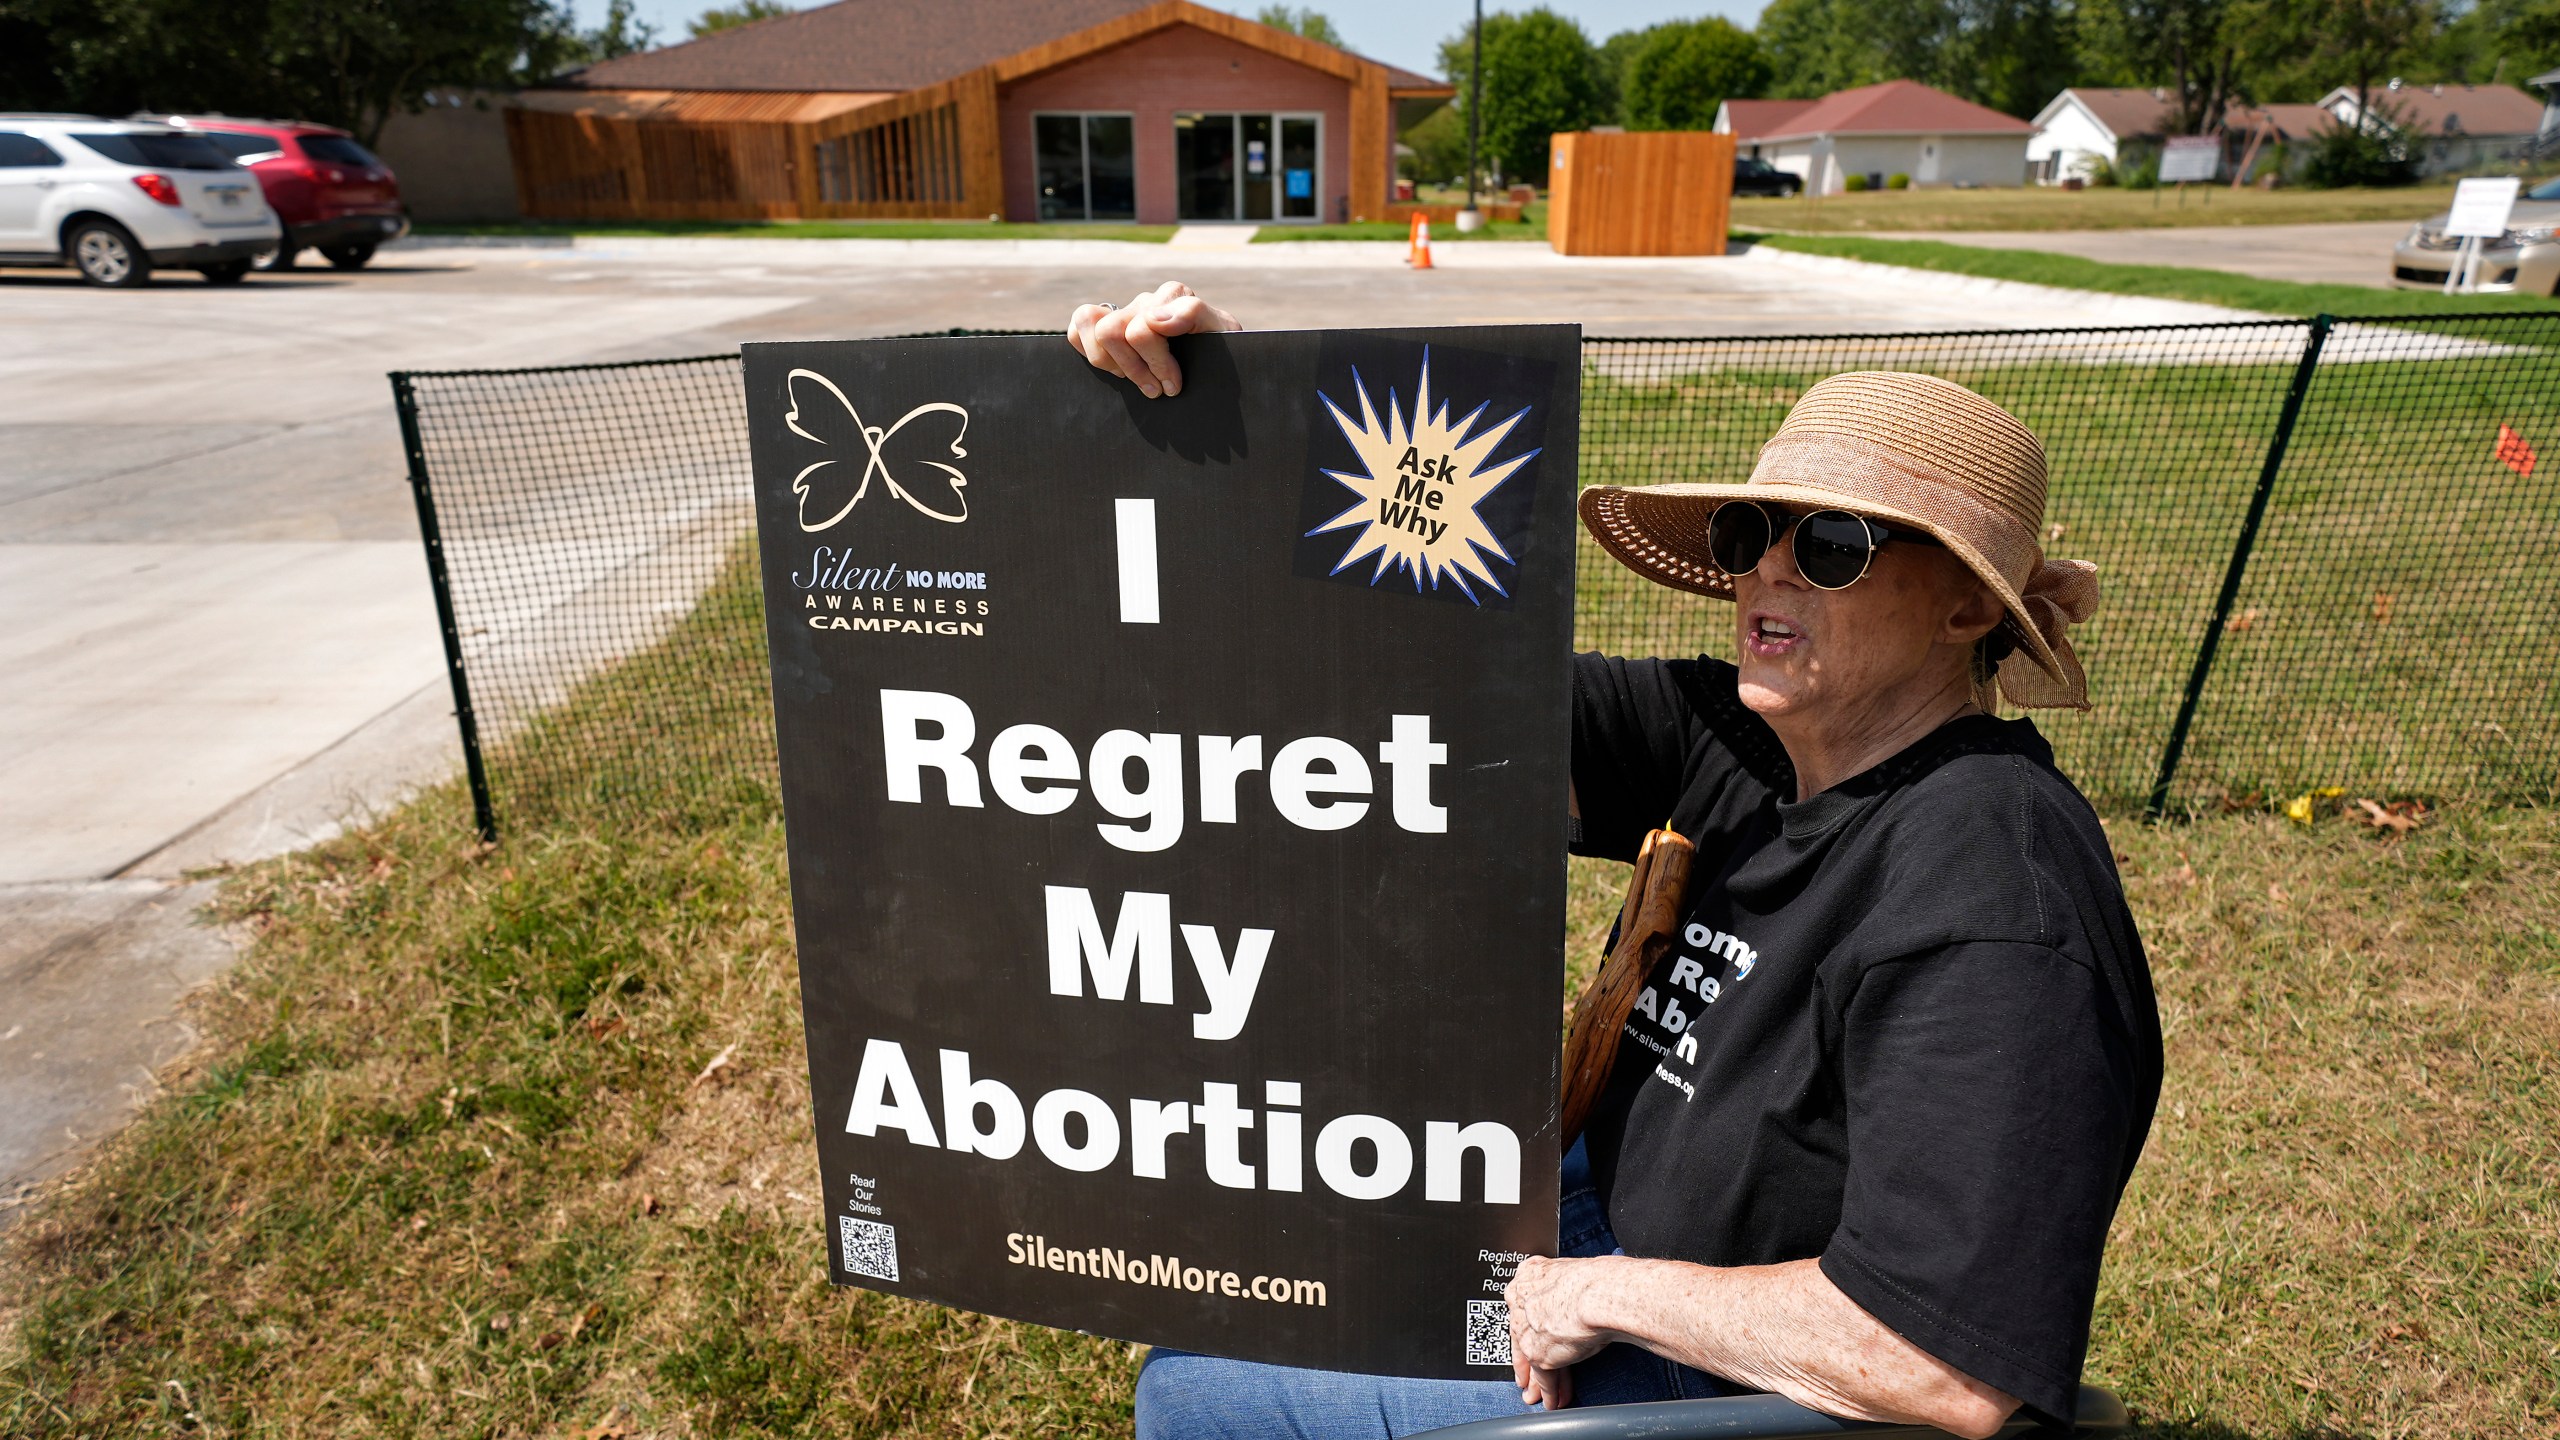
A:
(2356, 253)
(216, 642)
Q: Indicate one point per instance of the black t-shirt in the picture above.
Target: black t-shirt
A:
(1907, 1026)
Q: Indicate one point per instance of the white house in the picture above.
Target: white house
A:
(2455, 127)
(2085, 125)
(1900, 127)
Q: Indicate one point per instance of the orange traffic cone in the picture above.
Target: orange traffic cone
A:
(1417, 251)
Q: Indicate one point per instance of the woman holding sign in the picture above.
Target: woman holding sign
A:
(1871, 1117)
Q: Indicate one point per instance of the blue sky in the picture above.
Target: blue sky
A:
(1401, 32)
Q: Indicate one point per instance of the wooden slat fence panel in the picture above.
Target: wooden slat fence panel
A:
(1658, 193)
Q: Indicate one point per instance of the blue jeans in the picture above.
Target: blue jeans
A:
(1182, 1396)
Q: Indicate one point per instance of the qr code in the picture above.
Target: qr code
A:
(869, 1247)
(1488, 1332)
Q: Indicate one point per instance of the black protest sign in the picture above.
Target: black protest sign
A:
(1176, 797)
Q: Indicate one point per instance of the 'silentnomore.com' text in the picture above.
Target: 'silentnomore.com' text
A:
(1105, 1262)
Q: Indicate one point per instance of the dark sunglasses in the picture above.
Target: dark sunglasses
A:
(1833, 547)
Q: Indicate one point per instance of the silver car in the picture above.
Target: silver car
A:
(2525, 260)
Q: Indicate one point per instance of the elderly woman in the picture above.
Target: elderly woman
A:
(1863, 1147)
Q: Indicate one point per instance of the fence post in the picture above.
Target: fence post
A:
(484, 817)
(2239, 566)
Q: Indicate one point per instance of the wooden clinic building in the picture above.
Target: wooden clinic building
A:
(1144, 111)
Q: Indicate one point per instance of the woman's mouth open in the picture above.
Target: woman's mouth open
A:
(1770, 636)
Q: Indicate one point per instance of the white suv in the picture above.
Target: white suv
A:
(113, 198)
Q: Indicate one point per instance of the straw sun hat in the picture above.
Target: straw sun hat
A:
(1905, 449)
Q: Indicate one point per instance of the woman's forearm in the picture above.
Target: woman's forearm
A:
(1788, 1329)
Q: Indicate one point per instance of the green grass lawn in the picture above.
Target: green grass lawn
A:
(2166, 282)
(2391, 489)
(2038, 207)
(811, 230)
(514, 1142)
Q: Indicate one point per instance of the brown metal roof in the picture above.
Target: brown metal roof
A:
(2127, 112)
(2290, 122)
(854, 45)
(874, 46)
(1897, 107)
(2457, 109)
(1752, 119)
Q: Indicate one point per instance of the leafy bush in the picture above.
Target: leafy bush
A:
(2097, 170)
(1897, 181)
(1854, 184)
(2342, 156)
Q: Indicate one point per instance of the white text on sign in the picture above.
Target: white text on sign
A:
(1314, 782)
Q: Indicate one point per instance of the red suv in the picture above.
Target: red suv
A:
(332, 194)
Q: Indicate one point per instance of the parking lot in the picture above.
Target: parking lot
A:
(213, 611)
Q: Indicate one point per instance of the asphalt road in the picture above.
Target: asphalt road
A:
(216, 640)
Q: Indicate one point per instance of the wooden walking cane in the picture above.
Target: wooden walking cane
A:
(1645, 927)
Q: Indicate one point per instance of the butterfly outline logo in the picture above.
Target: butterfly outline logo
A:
(876, 439)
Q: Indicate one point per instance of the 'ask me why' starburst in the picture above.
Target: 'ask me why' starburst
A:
(1422, 476)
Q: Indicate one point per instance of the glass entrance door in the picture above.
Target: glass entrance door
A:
(1253, 167)
(1297, 173)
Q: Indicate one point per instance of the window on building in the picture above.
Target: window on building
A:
(1087, 166)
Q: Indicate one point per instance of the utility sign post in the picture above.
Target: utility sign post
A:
(2480, 211)
(2186, 159)
(1176, 805)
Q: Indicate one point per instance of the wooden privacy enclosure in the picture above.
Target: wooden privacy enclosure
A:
(929, 154)
(1653, 193)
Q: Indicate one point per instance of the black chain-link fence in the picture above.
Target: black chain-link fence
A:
(2321, 543)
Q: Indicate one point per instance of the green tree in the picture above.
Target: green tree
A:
(2190, 47)
(1541, 76)
(622, 33)
(1305, 22)
(1682, 71)
(730, 17)
(2012, 55)
(1439, 144)
(1615, 52)
(2362, 40)
(2495, 41)
(340, 63)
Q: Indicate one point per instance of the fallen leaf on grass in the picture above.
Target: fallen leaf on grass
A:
(604, 1027)
(648, 1204)
(2299, 808)
(2381, 607)
(2053, 532)
(587, 1317)
(719, 1068)
(2275, 892)
(2183, 875)
(2399, 817)
(2246, 620)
